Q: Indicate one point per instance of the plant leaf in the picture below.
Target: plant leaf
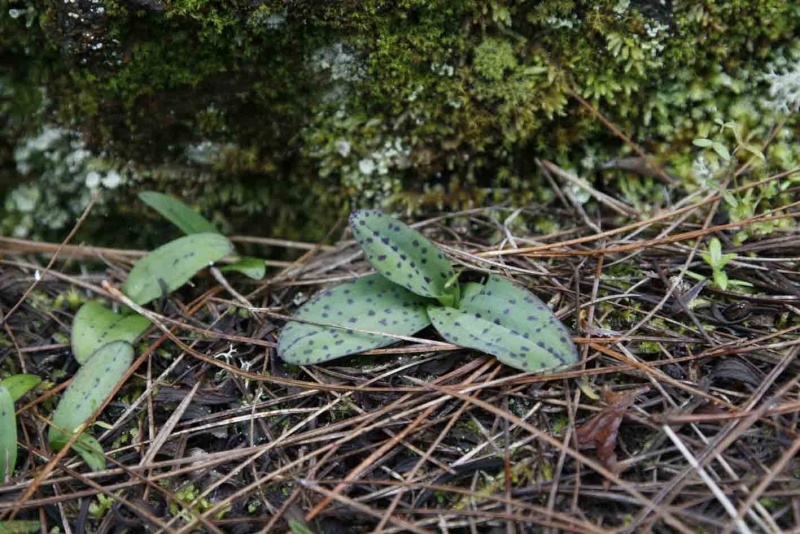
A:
(601, 431)
(510, 323)
(702, 142)
(20, 527)
(730, 198)
(90, 387)
(95, 325)
(369, 303)
(721, 279)
(470, 290)
(496, 286)
(721, 151)
(8, 435)
(177, 212)
(298, 527)
(251, 267)
(19, 385)
(756, 151)
(170, 266)
(715, 251)
(404, 256)
(725, 259)
(91, 451)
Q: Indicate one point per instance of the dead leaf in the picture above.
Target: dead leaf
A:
(601, 431)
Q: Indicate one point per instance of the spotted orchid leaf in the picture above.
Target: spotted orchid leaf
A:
(8, 435)
(19, 385)
(170, 266)
(90, 387)
(370, 303)
(469, 290)
(496, 286)
(510, 323)
(95, 325)
(405, 256)
(177, 212)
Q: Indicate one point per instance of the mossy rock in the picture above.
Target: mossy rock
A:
(406, 104)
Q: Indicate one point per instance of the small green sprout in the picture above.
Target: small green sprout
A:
(716, 146)
(717, 261)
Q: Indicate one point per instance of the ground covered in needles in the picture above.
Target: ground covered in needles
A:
(682, 415)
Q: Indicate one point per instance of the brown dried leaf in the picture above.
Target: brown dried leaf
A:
(601, 431)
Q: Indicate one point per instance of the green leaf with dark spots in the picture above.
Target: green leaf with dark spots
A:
(90, 387)
(510, 323)
(177, 212)
(170, 266)
(370, 303)
(95, 325)
(497, 286)
(405, 256)
(250, 267)
(8, 435)
(469, 290)
(19, 385)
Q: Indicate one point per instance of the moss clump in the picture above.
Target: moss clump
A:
(412, 102)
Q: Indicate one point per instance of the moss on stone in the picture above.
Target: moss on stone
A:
(409, 103)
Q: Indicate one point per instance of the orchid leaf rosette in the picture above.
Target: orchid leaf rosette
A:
(416, 286)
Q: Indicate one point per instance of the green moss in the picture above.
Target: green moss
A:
(415, 103)
(494, 58)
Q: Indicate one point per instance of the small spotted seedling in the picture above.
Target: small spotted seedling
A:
(90, 387)
(416, 286)
(11, 389)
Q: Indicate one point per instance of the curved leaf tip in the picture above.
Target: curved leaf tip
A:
(404, 256)
(177, 212)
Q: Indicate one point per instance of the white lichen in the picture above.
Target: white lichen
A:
(343, 147)
(621, 7)
(366, 166)
(112, 180)
(784, 89)
(563, 23)
(92, 180)
(60, 174)
(339, 61)
(205, 153)
(443, 69)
